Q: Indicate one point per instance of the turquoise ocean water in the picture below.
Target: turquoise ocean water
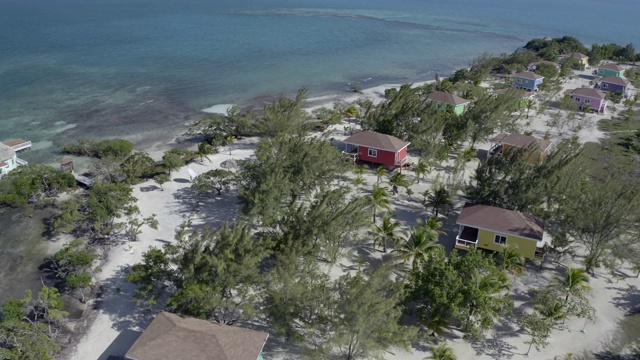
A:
(142, 68)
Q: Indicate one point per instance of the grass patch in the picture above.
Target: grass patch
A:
(609, 125)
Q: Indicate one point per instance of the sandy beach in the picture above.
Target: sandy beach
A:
(115, 321)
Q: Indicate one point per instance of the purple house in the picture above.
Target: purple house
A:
(589, 98)
(614, 84)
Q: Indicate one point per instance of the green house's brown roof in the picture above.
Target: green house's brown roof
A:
(611, 66)
(501, 221)
(447, 98)
(172, 337)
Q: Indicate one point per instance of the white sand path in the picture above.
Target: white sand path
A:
(118, 319)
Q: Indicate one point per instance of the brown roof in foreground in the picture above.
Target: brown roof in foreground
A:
(528, 75)
(447, 98)
(376, 140)
(522, 141)
(171, 337)
(501, 221)
(615, 80)
(611, 66)
(588, 92)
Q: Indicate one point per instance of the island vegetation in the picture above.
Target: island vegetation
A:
(304, 210)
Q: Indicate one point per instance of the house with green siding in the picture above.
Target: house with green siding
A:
(491, 228)
(610, 69)
(444, 100)
(8, 159)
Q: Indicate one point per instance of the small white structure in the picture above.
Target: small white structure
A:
(8, 158)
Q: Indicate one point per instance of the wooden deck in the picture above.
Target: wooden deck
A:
(83, 180)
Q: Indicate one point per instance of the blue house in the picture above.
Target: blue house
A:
(527, 80)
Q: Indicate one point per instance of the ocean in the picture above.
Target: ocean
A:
(141, 69)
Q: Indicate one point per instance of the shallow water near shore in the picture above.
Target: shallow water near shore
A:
(141, 70)
(22, 251)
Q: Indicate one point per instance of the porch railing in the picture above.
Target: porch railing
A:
(465, 244)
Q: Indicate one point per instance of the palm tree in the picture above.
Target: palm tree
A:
(512, 260)
(492, 283)
(396, 180)
(441, 352)
(379, 200)
(204, 150)
(388, 231)
(358, 181)
(421, 169)
(552, 310)
(575, 281)
(421, 244)
(359, 170)
(439, 200)
(528, 104)
(433, 224)
(380, 172)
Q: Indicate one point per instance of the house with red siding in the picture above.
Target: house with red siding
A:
(377, 148)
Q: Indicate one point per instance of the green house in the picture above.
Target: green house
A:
(444, 100)
(610, 69)
(490, 228)
(8, 159)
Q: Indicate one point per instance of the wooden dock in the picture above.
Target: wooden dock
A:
(18, 144)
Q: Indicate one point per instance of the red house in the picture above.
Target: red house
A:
(377, 148)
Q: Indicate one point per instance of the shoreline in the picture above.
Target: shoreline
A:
(373, 93)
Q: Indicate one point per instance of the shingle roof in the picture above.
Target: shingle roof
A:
(6, 152)
(171, 337)
(588, 92)
(376, 140)
(577, 55)
(611, 66)
(522, 141)
(447, 98)
(501, 221)
(528, 75)
(615, 80)
(547, 62)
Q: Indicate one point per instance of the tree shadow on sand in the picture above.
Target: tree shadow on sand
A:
(495, 348)
(116, 300)
(627, 297)
(211, 210)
